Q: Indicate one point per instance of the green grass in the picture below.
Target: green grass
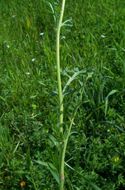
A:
(93, 43)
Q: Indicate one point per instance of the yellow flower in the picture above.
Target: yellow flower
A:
(115, 159)
(22, 184)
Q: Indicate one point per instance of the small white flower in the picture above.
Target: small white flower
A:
(27, 73)
(41, 34)
(63, 37)
(103, 36)
(13, 16)
(33, 59)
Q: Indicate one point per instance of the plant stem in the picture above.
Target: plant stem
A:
(64, 147)
(58, 67)
(60, 93)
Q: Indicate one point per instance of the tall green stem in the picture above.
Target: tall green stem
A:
(58, 66)
(60, 93)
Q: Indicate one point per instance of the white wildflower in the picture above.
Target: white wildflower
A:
(41, 33)
(33, 59)
(13, 16)
(27, 73)
(103, 36)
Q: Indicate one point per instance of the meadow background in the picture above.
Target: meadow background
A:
(93, 41)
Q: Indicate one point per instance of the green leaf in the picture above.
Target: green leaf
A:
(111, 93)
(41, 163)
(107, 100)
(51, 168)
(54, 140)
(95, 187)
(54, 172)
(72, 78)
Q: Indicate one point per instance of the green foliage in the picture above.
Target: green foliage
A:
(93, 78)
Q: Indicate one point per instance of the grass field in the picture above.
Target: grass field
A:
(93, 41)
